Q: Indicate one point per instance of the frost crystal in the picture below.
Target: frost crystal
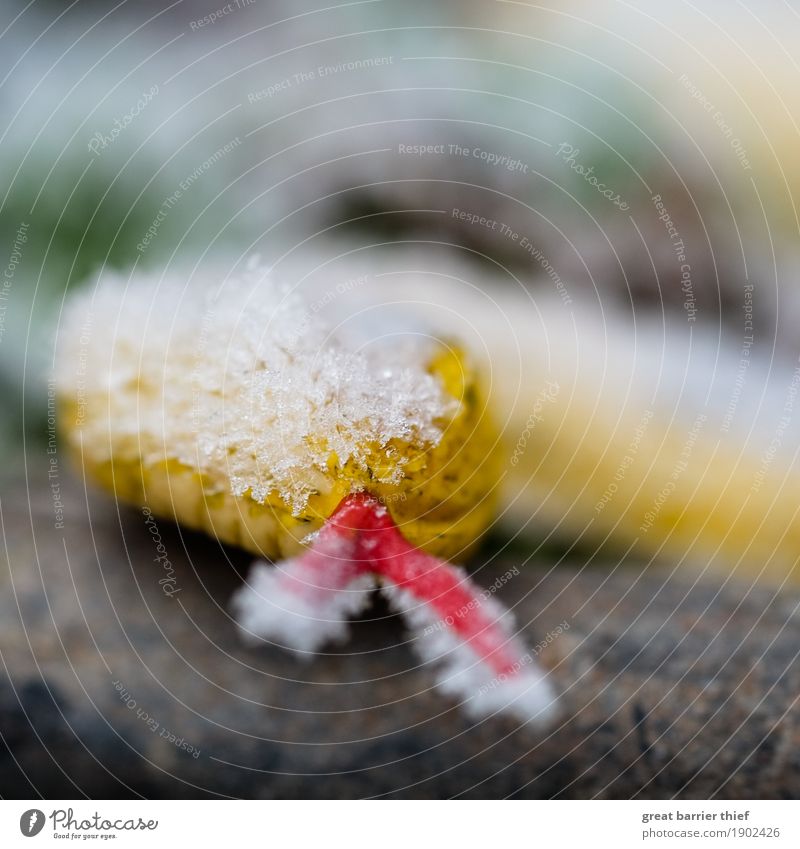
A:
(244, 382)
(302, 603)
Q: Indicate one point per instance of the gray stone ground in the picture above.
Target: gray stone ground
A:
(672, 686)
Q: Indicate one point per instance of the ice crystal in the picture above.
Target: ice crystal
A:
(245, 382)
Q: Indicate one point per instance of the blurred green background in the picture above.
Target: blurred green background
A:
(287, 126)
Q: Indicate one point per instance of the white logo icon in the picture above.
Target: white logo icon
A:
(31, 822)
